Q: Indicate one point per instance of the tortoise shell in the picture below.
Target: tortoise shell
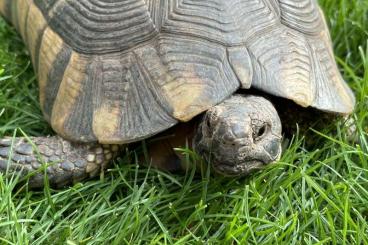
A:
(117, 71)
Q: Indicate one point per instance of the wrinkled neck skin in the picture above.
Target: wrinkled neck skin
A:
(239, 136)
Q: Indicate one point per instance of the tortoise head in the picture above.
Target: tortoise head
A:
(240, 135)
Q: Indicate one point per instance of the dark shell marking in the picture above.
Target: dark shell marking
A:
(120, 71)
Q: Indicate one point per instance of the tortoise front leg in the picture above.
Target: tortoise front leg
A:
(63, 161)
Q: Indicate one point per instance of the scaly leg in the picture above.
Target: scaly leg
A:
(66, 162)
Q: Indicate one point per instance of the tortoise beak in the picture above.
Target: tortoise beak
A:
(249, 161)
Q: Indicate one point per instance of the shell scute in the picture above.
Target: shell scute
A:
(124, 70)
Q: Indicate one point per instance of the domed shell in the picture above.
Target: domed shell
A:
(120, 71)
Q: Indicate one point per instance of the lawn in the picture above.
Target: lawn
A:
(316, 194)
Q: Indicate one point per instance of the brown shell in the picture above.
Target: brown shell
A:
(120, 71)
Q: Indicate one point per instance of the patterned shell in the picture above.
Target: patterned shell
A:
(118, 71)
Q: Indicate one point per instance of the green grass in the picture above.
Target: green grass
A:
(316, 195)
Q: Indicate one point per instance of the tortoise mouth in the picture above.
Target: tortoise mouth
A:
(245, 165)
(239, 169)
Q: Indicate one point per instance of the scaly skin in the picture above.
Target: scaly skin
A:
(238, 136)
(67, 162)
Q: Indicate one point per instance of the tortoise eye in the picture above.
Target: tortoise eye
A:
(260, 132)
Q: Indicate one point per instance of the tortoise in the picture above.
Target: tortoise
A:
(114, 72)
